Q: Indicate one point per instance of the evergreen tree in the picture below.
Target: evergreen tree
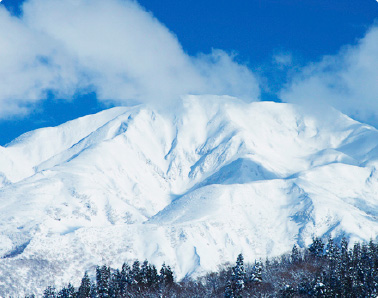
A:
(162, 273)
(345, 269)
(115, 284)
(103, 280)
(126, 278)
(317, 247)
(144, 273)
(94, 293)
(49, 292)
(71, 291)
(358, 276)
(366, 269)
(228, 292)
(85, 287)
(238, 276)
(373, 265)
(256, 275)
(332, 251)
(166, 275)
(295, 254)
(68, 292)
(152, 275)
(135, 273)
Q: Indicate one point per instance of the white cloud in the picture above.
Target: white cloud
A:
(113, 47)
(283, 59)
(347, 81)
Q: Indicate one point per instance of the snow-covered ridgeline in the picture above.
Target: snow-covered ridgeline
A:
(192, 189)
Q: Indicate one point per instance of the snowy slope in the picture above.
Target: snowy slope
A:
(192, 188)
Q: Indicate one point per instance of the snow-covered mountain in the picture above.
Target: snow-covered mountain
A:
(192, 188)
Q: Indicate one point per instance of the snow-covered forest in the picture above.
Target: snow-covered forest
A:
(322, 270)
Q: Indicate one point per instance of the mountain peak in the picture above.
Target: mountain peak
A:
(191, 188)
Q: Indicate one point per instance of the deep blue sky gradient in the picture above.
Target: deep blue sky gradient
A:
(254, 29)
(258, 28)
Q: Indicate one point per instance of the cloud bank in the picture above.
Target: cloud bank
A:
(347, 81)
(112, 47)
(115, 48)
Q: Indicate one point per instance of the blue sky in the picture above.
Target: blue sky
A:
(300, 51)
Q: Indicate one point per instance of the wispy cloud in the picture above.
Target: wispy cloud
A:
(347, 81)
(113, 47)
(283, 59)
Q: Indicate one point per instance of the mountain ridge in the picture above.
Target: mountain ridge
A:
(192, 189)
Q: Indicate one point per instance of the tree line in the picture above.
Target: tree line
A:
(321, 270)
